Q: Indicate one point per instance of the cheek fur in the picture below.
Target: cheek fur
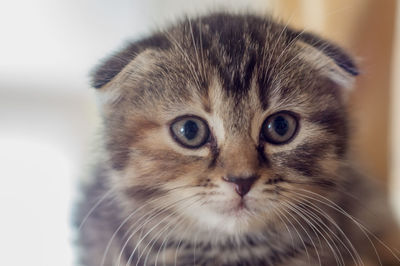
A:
(154, 166)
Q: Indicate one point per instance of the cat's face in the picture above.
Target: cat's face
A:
(220, 121)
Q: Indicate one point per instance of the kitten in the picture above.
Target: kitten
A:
(226, 140)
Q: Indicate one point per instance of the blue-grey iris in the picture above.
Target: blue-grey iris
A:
(190, 131)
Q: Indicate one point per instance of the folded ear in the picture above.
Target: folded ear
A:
(112, 65)
(331, 60)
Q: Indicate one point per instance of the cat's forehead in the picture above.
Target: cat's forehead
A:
(226, 83)
(240, 54)
(233, 66)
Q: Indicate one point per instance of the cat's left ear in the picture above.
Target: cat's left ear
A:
(109, 67)
(332, 61)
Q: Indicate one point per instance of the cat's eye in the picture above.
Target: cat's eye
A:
(279, 128)
(190, 131)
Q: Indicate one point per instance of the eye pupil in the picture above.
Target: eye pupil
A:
(281, 125)
(279, 128)
(189, 130)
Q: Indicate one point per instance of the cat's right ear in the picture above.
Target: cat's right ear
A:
(111, 66)
(331, 60)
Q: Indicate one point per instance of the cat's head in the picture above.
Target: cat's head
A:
(221, 119)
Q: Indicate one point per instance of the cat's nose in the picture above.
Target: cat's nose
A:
(242, 184)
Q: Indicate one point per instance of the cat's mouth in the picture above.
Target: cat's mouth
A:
(239, 208)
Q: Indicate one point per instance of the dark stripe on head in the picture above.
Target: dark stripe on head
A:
(264, 82)
(233, 56)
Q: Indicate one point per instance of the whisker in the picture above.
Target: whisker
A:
(339, 259)
(364, 229)
(339, 209)
(194, 248)
(150, 215)
(165, 239)
(185, 56)
(159, 210)
(297, 232)
(123, 223)
(195, 47)
(157, 236)
(330, 219)
(158, 207)
(302, 227)
(201, 48)
(178, 221)
(97, 204)
(283, 52)
(284, 223)
(273, 49)
(180, 242)
(315, 231)
(149, 231)
(119, 228)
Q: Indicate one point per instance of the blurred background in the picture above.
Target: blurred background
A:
(48, 114)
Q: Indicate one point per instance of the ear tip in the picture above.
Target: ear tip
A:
(350, 67)
(109, 67)
(95, 80)
(343, 60)
(97, 85)
(99, 77)
(337, 53)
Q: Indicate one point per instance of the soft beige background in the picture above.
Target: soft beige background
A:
(48, 112)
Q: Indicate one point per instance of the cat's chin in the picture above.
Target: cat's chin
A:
(231, 219)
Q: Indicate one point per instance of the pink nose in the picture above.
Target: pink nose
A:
(242, 184)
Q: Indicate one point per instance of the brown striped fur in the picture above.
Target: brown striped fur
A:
(170, 205)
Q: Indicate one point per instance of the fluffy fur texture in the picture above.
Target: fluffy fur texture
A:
(156, 202)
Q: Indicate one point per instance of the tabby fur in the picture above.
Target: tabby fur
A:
(153, 202)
